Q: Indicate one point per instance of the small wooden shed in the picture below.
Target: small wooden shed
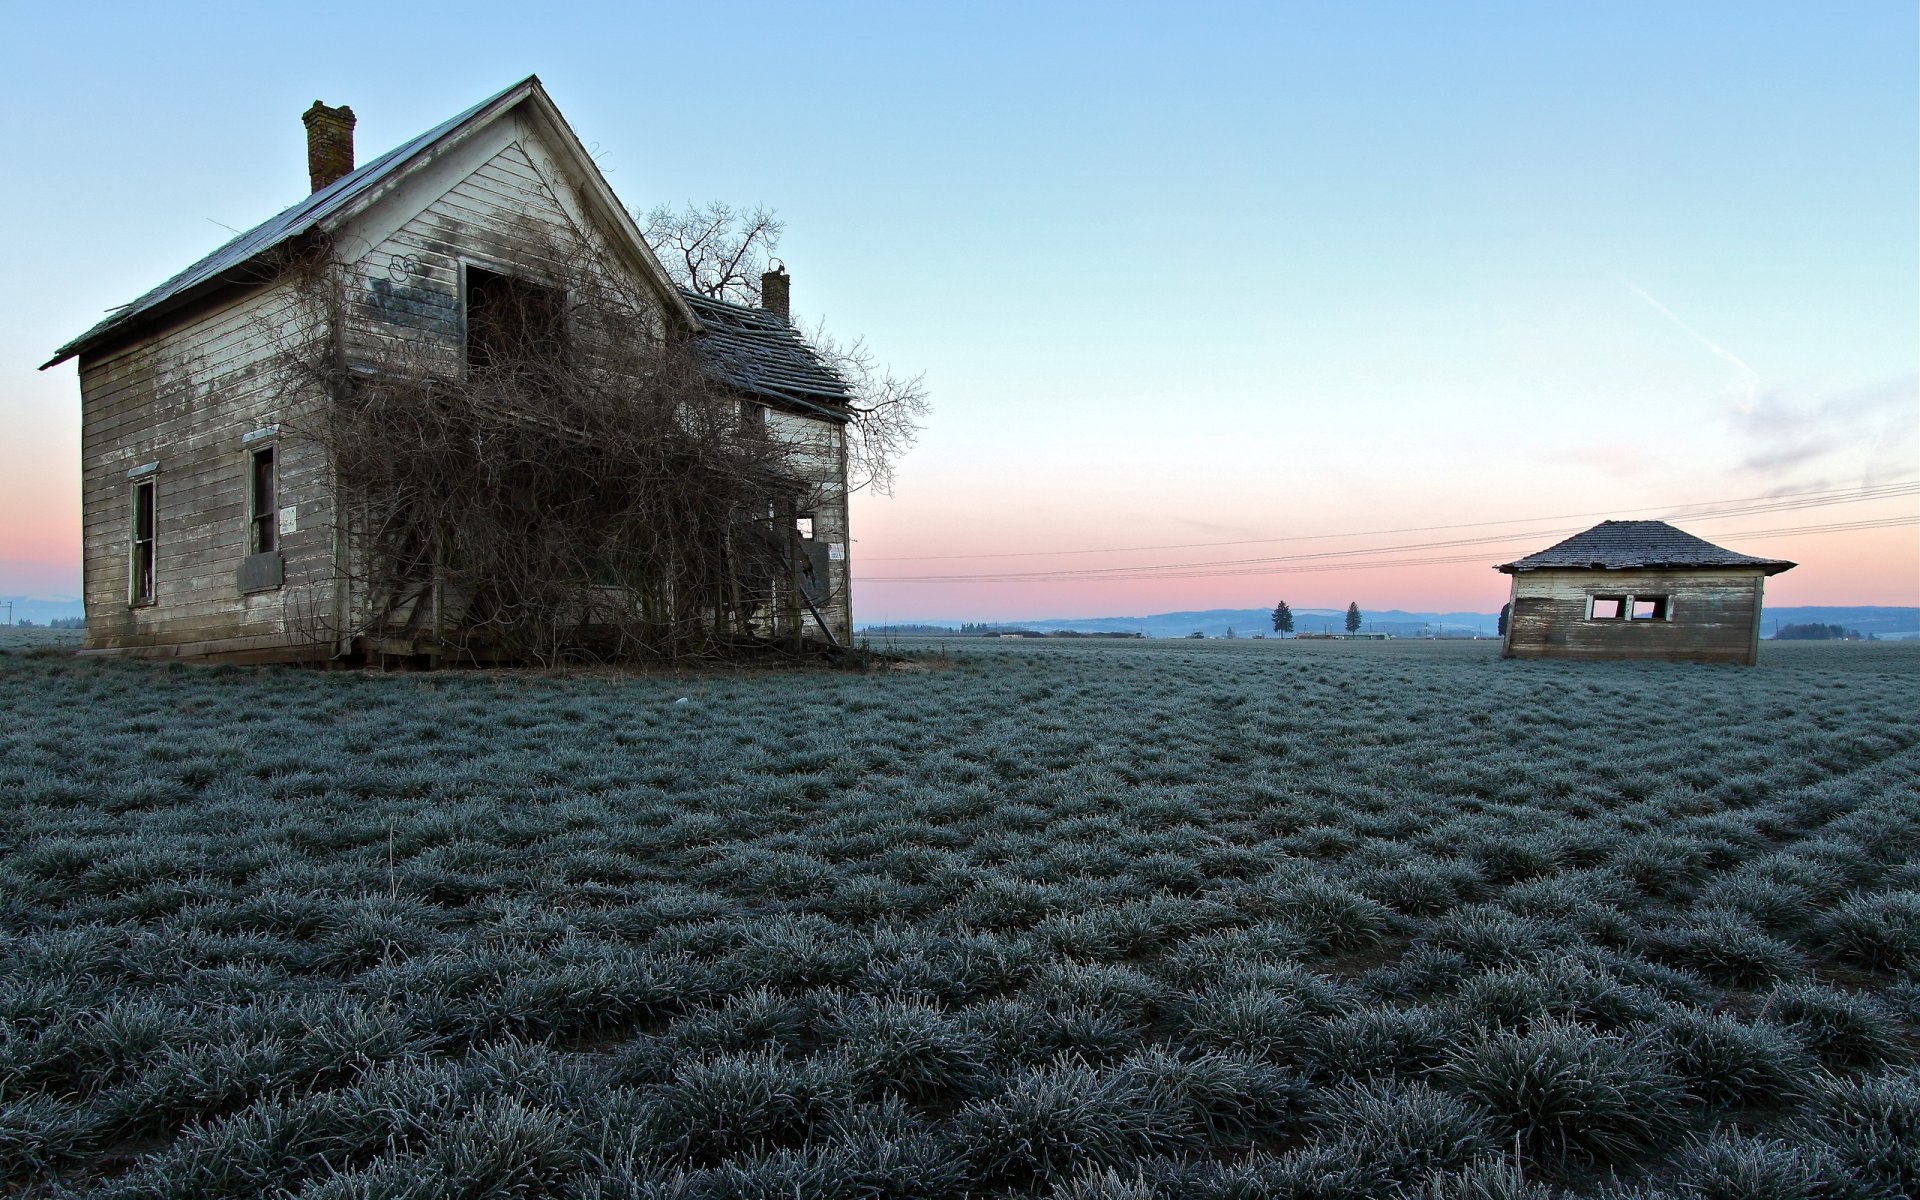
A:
(1637, 589)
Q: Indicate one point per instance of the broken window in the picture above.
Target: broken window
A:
(140, 557)
(1649, 608)
(753, 419)
(1605, 608)
(803, 525)
(263, 518)
(512, 323)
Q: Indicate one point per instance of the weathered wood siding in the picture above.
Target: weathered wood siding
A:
(820, 454)
(1715, 616)
(496, 202)
(184, 397)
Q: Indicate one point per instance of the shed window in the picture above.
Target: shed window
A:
(1649, 608)
(141, 545)
(512, 323)
(1606, 608)
(263, 517)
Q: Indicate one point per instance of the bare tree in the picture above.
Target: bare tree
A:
(579, 487)
(721, 251)
(715, 249)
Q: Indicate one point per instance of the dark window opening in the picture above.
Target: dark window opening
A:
(513, 324)
(1606, 608)
(1649, 608)
(263, 516)
(141, 558)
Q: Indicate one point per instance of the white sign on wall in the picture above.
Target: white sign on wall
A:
(836, 552)
(290, 519)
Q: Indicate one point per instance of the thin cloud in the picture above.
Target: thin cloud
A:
(1868, 432)
(1748, 384)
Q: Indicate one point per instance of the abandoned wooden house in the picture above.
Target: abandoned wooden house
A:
(211, 531)
(1637, 589)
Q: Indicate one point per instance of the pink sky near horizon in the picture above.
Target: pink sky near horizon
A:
(1860, 567)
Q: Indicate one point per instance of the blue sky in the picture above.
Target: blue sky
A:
(1174, 273)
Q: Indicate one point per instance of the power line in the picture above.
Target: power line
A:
(1342, 560)
(1139, 570)
(1707, 510)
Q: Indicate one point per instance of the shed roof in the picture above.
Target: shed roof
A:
(759, 353)
(1631, 545)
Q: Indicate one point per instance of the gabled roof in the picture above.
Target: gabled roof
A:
(759, 353)
(326, 209)
(1631, 545)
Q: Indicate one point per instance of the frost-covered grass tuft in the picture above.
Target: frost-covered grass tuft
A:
(1847, 1030)
(1872, 1127)
(1880, 932)
(1727, 1061)
(1049, 1122)
(1732, 1167)
(1571, 1093)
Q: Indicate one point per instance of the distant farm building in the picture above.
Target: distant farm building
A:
(211, 532)
(1638, 589)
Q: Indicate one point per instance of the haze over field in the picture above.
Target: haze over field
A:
(1205, 286)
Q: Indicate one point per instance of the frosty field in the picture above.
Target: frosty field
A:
(1126, 919)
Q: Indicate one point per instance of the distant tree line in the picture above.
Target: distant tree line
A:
(985, 629)
(56, 623)
(1813, 632)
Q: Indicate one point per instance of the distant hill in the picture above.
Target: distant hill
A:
(1245, 622)
(1884, 622)
(41, 609)
(1881, 622)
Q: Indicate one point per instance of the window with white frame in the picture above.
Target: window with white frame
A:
(141, 544)
(263, 489)
(1630, 608)
(1649, 608)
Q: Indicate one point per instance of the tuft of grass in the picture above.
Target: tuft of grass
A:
(1731, 1167)
(1052, 1121)
(741, 1103)
(1382, 1042)
(1726, 947)
(1733, 1063)
(1224, 1099)
(1879, 932)
(907, 1048)
(1871, 1126)
(1572, 1094)
(1846, 1030)
(1409, 1131)
(1328, 915)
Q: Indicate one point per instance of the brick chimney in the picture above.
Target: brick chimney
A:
(774, 286)
(329, 143)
